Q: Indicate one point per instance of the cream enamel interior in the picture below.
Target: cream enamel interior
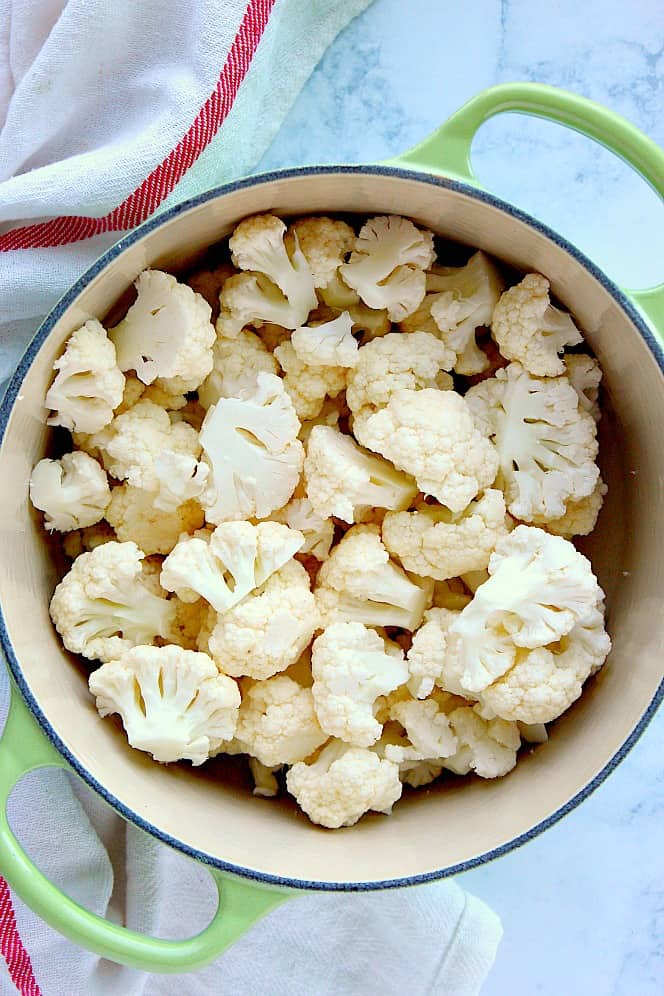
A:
(429, 830)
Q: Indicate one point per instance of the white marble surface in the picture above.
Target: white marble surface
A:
(582, 905)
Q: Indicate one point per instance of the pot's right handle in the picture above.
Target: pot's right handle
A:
(447, 150)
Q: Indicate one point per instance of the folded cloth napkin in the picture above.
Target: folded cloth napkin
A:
(109, 112)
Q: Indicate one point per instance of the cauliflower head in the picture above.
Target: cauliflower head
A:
(487, 747)
(359, 583)
(428, 731)
(253, 452)
(585, 374)
(529, 329)
(344, 783)
(174, 703)
(269, 629)
(432, 436)
(277, 722)
(88, 382)
(236, 365)
(232, 561)
(437, 544)
(580, 516)
(412, 360)
(427, 656)
(343, 480)
(352, 669)
(324, 243)
(104, 606)
(317, 530)
(166, 335)
(387, 265)
(330, 344)
(308, 386)
(546, 443)
(133, 514)
(465, 299)
(72, 492)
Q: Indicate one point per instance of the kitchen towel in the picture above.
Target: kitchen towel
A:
(109, 112)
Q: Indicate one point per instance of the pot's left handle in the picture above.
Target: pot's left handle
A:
(23, 748)
(447, 150)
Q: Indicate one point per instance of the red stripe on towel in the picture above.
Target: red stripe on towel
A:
(11, 945)
(145, 199)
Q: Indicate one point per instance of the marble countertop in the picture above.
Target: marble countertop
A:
(582, 905)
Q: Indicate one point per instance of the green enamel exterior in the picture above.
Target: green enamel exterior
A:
(448, 149)
(24, 747)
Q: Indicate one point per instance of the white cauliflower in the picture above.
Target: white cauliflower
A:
(344, 480)
(254, 454)
(359, 583)
(585, 374)
(269, 629)
(547, 445)
(529, 329)
(428, 731)
(174, 703)
(104, 606)
(308, 386)
(188, 620)
(540, 587)
(412, 360)
(428, 652)
(236, 558)
(330, 344)
(181, 478)
(544, 682)
(437, 544)
(279, 288)
(352, 669)
(342, 784)
(133, 514)
(432, 436)
(487, 747)
(88, 383)
(72, 492)
(237, 363)
(208, 284)
(318, 531)
(83, 540)
(580, 516)
(324, 243)
(166, 335)
(465, 299)
(277, 722)
(387, 264)
(265, 782)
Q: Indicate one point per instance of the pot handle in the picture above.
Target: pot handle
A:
(23, 748)
(447, 150)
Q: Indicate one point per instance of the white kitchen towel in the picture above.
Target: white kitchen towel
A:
(108, 112)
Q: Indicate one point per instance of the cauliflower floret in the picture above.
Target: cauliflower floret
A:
(386, 266)
(430, 735)
(166, 334)
(324, 243)
(344, 480)
(103, 605)
(269, 629)
(88, 383)
(359, 583)
(432, 436)
(487, 747)
(265, 783)
(254, 454)
(277, 722)
(279, 289)
(308, 386)
(237, 363)
(584, 374)
(547, 445)
(427, 656)
(181, 478)
(174, 703)
(544, 682)
(208, 284)
(465, 299)
(318, 532)
(340, 297)
(330, 344)
(342, 784)
(540, 587)
(133, 514)
(437, 544)
(72, 492)
(529, 329)
(398, 360)
(580, 516)
(351, 670)
(82, 540)
(236, 558)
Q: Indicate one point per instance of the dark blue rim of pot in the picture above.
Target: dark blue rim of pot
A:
(13, 389)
